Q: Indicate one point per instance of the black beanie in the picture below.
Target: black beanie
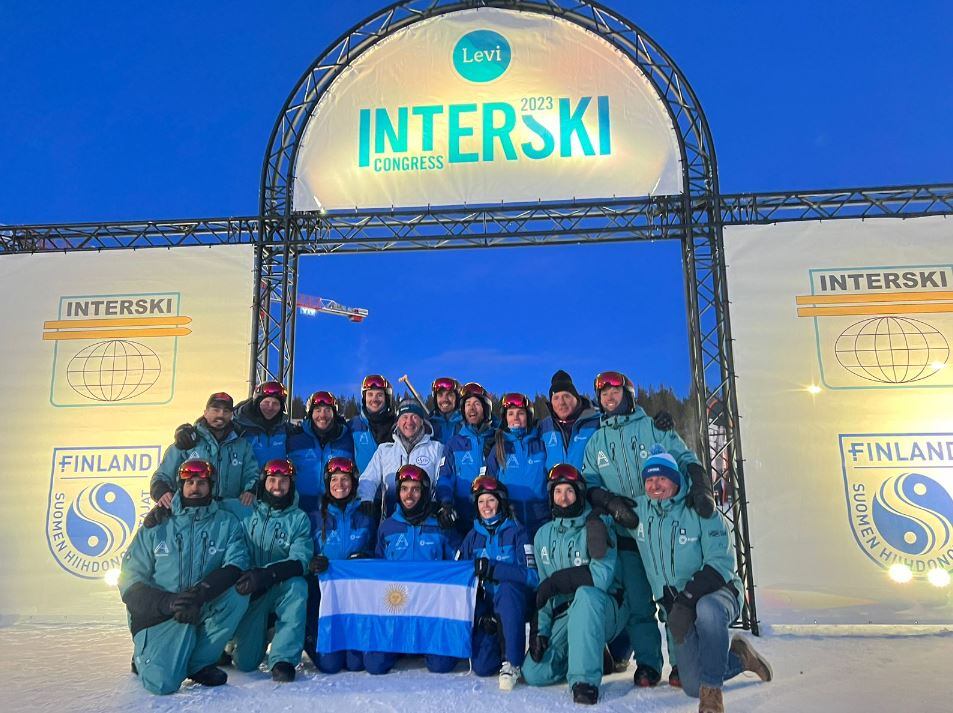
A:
(562, 382)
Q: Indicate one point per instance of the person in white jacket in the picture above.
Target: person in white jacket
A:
(412, 444)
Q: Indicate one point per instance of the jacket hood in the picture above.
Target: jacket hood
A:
(574, 522)
(620, 420)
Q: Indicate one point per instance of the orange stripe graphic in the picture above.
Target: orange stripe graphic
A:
(874, 309)
(118, 333)
(874, 297)
(118, 322)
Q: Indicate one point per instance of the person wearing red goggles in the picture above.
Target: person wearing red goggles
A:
(445, 418)
(263, 421)
(375, 422)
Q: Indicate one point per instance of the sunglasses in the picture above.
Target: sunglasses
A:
(196, 469)
(322, 398)
(485, 483)
(610, 378)
(281, 467)
(514, 401)
(273, 389)
(340, 464)
(564, 473)
(374, 381)
(444, 383)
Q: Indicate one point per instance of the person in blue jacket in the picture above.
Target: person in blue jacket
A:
(518, 459)
(571, 424)
(278, 536)
(340, 531)
(177, 582)
(464, 456)
(322, 435)
(375, 423)
(411, 534)
(690, 563)
(502, 555)
(445, 418)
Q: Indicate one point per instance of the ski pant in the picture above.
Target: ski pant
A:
(508, 604)
(334, 661)
(287, 602)
(378, 663)
(642, 624)
(578, 639)
(704, 658)
(165, 654)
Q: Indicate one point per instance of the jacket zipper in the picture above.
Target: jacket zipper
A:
(261, 540)
(178, 540)
(672, 560)
(204, 550)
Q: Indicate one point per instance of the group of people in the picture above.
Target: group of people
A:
(587, 528)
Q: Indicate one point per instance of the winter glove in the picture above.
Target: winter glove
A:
(563, 581)
(185, 437)
(488, 624)
(537, 647)
(619, 507)
(156, 516)
(254, 581)
(700, 495)
(663, 420)
(446, 516)
(483, 568)
(368, 509)
(681, 618)
(668, 599)
(597, 535)
(319, 564)
(187, 607)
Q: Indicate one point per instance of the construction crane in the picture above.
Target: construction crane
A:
(310, 306)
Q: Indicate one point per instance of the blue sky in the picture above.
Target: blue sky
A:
(114, 111)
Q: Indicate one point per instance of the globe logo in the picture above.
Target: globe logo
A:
(113, 370)
(892, 350)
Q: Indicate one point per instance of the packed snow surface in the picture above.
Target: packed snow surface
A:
(86, 668)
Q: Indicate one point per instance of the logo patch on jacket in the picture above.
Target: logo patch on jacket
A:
(602, 460)
(423, 460)
(161, 550)
(467, 459)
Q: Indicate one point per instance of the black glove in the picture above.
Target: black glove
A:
(668, 598)
(618, 506)
(663, 420)
(537, 647)
(446, 516)
(597, 536)
(254, 581)
(700, 496)
(680, 619)
(367, 508)
(483, 568)
(156, 516)
(185, 438)
(488, 624)
(319, 564)
(187, 607)
(563, 581)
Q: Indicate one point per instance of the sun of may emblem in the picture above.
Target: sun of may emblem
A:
(395, 599)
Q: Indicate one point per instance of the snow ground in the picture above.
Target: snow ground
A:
(60, 668)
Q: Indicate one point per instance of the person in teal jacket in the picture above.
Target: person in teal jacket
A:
(278, 535)
(690, 563)
(176, 582)
(612, 467)
(217, 442)
(580, 603)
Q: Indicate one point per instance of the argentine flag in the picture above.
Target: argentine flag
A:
(399, 607)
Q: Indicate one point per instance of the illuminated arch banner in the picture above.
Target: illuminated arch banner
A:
(482, 106)
(102, 356)
(844, 353)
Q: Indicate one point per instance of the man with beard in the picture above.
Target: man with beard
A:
(445, 418)
(374, 425)
(216, 442)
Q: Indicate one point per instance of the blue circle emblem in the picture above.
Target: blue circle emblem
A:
(481, 56)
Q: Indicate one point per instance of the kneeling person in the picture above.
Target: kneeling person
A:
(580, 598)
(411, 534)
(278, 534)
(503, 560)
(702, 595)
(176, 582)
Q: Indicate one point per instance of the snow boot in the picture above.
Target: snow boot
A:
(283, 672)
(584, 693)
(509, 676)
(751, 660)
(210, 676)
(132, 665)
(674, 680)
(646, 676)
(710, 701)
(225, 659)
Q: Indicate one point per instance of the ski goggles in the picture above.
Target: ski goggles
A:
(279, 467)
(322, 398)
(272, 389)
(444, 383)
(220, 398)
(196, 468)
(610, 378)
(486, 484)
(340, 464)
(374, 381)
(514, 401)
(413, 473)
(565, 473)
(473, 389)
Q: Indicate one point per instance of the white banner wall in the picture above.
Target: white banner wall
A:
(843, 332)
(103, 355)
(482, 106)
